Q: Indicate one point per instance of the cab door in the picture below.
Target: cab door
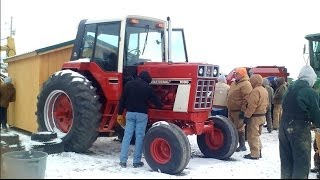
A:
(101, 45)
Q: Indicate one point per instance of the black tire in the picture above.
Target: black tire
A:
(166, 148)
(224, 141)
(10, 139)
(43, 136)
(78, 127)
(52, 147)
(17, 147)
(186, 141)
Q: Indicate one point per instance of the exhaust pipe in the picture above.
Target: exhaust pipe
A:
(169, 39)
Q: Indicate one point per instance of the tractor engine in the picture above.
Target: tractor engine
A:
(167, 95)
(184, 87)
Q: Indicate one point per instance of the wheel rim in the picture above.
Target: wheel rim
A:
(58, 113)
(214, 139)
(160, 150)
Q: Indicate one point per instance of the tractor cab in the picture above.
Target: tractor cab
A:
(314, 51)
(118, 46)
(111, 51)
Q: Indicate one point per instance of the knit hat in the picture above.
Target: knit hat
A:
(265, 82)
(307, 74)
(144, 75)
(241, 71)
(222, 78)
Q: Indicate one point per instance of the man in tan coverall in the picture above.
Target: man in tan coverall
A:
(255, 115)
(237, 101)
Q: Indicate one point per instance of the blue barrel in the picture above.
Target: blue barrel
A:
(24, 165)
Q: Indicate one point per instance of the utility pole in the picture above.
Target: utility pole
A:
(10, 46)
(11, 33)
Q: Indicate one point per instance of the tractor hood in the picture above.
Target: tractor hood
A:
(180, 70)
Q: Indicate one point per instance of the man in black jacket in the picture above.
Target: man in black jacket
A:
(135, 97)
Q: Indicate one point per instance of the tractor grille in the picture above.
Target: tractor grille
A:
(204, 94)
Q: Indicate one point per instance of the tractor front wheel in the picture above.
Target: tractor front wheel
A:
(166, 148)
(222, 142)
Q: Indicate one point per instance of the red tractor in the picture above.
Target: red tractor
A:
(80, 102)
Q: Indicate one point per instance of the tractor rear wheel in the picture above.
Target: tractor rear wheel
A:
(166, 148)
(222, 142)
(68, 105)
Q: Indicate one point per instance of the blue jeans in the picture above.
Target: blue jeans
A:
(219, 111)
(3, 116)
(135, 122)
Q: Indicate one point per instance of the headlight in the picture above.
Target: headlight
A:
(201, 70)
(208, 71)
(215, 72)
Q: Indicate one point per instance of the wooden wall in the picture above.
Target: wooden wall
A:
(28, 74)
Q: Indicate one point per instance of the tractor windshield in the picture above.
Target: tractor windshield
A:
(144, 42)
(315, 56)
(314, 51)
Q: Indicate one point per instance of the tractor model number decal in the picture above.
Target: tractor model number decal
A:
(170, 81)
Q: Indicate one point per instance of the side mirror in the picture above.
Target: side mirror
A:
(304, 49)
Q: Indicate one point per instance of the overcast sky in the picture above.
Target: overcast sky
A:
(228, 33)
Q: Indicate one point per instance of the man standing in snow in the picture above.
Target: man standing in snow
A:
(134, 99)
(300, 109)
(7, 95)
(237, 102)
(219, 104)
(255, 115)
(266, 84)
(277, 99)
(316, 143)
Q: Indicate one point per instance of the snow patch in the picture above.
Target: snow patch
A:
(159, 123)
(53, 141)
(45, 132)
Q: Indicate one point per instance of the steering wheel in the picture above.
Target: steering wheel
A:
(135, 52)
(133, 56)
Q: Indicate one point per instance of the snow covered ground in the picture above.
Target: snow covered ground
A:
(102, 163)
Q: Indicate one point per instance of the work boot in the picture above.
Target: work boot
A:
(248, 156)
(314, 170)
(139, 164)
(316, 160)
(123, 164)
(242, 142)
(4, 126)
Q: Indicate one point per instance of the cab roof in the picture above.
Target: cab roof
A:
(313, 37)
